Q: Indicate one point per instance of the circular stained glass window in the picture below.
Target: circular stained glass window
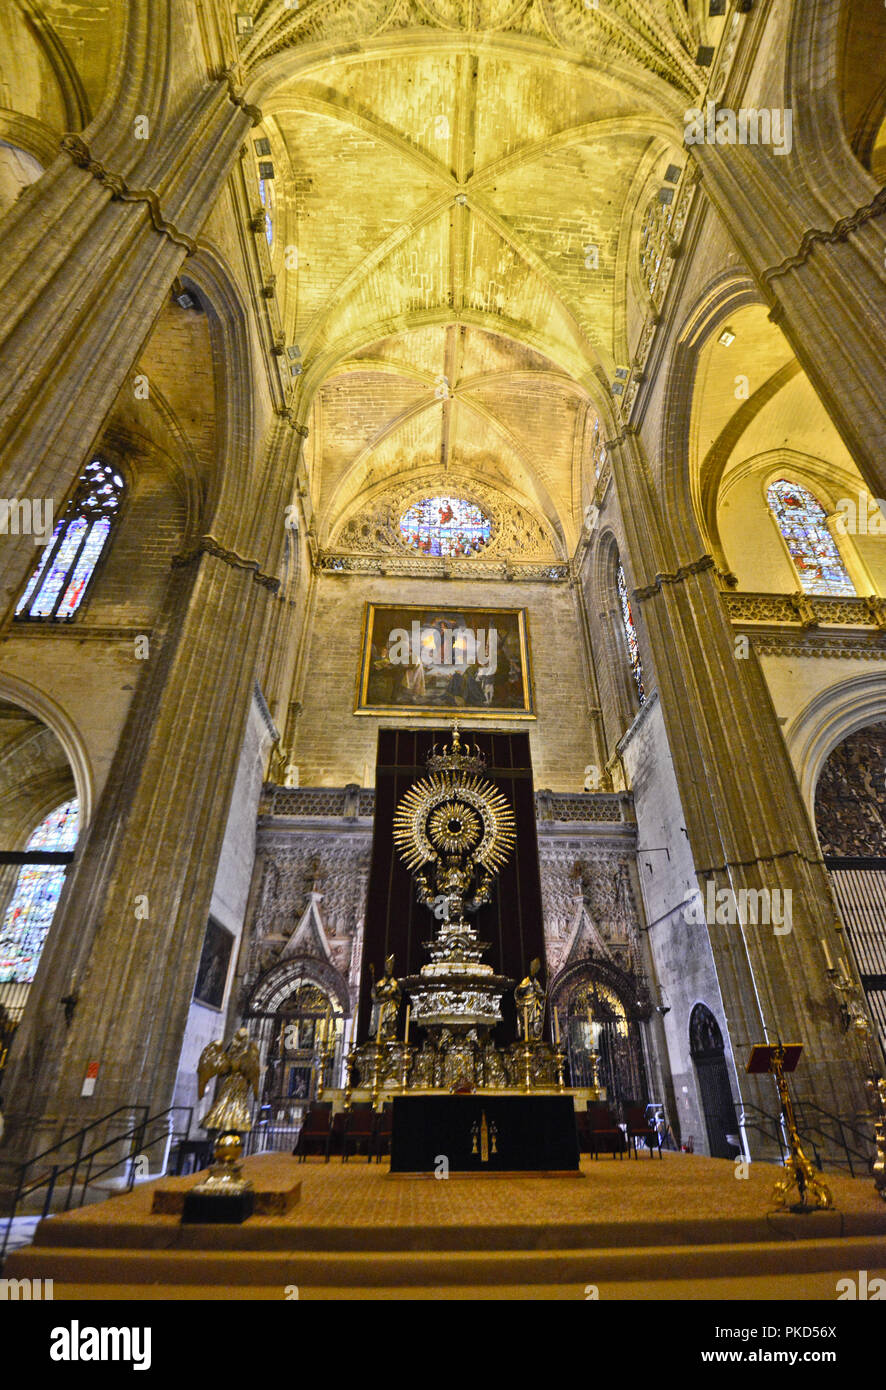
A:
(446, 526)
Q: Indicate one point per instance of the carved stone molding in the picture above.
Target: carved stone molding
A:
(207, 545)
(429, 567)
(841, 231)
(80, 153)
(705, 562)
(375, 530)
(807, 610)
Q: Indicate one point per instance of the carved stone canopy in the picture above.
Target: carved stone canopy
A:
(375, 528)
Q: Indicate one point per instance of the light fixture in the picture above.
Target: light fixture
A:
(265, 169)
(727, 337)
(184, 297)
(243, 23)
(705, 56)
(262, 145)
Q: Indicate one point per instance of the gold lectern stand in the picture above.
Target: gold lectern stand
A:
(776, 1060)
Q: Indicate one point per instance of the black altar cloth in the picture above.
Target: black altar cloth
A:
(531, 1134)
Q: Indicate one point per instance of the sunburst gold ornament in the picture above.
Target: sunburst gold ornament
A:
(448, 814)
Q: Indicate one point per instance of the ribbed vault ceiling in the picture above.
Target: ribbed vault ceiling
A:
(464, 205)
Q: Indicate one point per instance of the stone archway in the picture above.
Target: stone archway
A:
(708, 1055)
(298, 1015)
(601, 1009)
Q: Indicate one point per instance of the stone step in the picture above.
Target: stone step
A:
(76, 1230)
(236, 1268)
(820, 1287)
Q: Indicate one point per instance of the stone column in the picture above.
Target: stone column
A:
(133, 920)
(132, 917)
(89, 254)
(826, 285)
(746, 823)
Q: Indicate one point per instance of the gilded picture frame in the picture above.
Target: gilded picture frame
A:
(431, 661)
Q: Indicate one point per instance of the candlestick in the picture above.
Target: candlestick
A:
(408, 1014)
(827, 955)
(526, 1023)
(556, 1027)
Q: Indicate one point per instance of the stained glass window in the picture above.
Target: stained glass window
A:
(803, 524)
(57, 586)
(30, 912)
(446, 526)
(267, 202)
(630, 633)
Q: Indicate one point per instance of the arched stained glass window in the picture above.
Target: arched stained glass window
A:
(266, 194)
(37, 890)
(446, 526)
(630, 633)
(803, 523)
(57, 586)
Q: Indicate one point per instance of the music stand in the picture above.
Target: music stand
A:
(776, 1059)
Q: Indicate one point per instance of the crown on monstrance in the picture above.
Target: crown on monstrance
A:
(456, 756)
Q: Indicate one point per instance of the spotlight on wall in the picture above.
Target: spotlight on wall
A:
(705, 56)
(186, 298)
(727, 337)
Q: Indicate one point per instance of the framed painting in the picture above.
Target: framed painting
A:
(212, 972)
(432, 661)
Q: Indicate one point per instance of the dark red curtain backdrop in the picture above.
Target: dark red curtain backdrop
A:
(396, 922)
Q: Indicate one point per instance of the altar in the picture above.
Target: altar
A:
(484, 1134)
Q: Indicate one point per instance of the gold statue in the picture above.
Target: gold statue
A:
(386, 996)
(529, 997)
(238, 1066)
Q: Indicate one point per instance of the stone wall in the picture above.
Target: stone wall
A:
(333, 746)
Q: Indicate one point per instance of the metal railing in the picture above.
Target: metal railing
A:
(136, 1136)
(818, 1129)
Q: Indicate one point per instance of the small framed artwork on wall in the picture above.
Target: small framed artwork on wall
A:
(215, 959)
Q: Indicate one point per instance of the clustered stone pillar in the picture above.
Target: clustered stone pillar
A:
(745, 819)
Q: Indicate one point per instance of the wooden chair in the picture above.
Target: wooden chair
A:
(605, 1135)
(384, 1128)
(315, 1133)
(360, 1129)
(638, 1127)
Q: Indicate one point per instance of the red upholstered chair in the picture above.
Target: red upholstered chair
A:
(359, 1130)
(384, 1126)
(605, 1134)
(638, 1127)
(315, 1133)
